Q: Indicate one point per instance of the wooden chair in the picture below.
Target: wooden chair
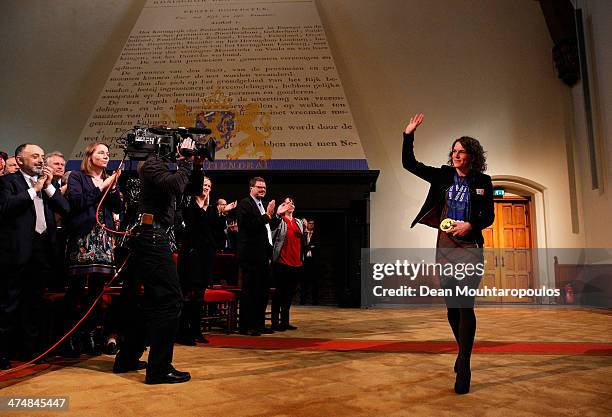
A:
(220, 308)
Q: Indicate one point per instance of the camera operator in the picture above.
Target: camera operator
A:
(151, 263)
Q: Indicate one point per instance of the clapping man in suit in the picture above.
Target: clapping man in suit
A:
(56, 161)
(255, 226)
(220, 226)
(28, 203)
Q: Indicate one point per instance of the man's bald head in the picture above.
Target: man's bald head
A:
(30, 158)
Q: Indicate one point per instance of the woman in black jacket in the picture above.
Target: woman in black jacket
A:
(196, 259)
(460, 205)
(90, 248)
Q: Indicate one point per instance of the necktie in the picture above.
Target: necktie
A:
(39, 206)
(262, 211)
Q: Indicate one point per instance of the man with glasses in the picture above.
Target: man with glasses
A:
(255, 224)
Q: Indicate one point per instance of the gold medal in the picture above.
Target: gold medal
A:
(446, 224)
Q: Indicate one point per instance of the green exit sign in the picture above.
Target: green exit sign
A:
(499, 192)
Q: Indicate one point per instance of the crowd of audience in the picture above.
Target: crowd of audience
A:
(66, 246)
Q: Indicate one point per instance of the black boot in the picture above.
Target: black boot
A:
(463, 378)
(462, 382)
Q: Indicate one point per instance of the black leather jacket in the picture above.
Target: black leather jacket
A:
(481, 209)
(160, 187)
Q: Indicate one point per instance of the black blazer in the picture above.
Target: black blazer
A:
(84, 197)
(18, 218)
(481, 213)
(161, 188)
(200, 226)
(312, 246)
(253, 243)
(219, 230)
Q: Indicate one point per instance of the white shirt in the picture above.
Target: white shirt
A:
(39, 207)
(50, 190)
(262, 211)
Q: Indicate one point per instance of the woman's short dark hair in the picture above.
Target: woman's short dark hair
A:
(478, 159)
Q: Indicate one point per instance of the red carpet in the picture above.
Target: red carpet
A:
(344, 345)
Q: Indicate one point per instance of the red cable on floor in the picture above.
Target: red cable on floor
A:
(107, 285)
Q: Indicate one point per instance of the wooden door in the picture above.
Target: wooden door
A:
(508, 249)
(492, 274)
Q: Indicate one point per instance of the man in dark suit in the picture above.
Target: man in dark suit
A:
(28, 203)
(232, 236)
(255, 226)
(220, 226)
(310, 277)
(11, 165)
(55, 160)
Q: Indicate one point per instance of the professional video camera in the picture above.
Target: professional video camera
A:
(144, 141)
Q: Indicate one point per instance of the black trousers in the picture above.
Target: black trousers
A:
(24, 313)
(254, 296)
(160, 307)
(78, 300)
(59, 276)
(310, 281)
(195, 274)
(286, 279)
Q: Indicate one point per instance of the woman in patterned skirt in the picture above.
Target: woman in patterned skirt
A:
(90, 248)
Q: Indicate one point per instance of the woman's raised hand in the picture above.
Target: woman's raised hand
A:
(229, 207)
(415, 121)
